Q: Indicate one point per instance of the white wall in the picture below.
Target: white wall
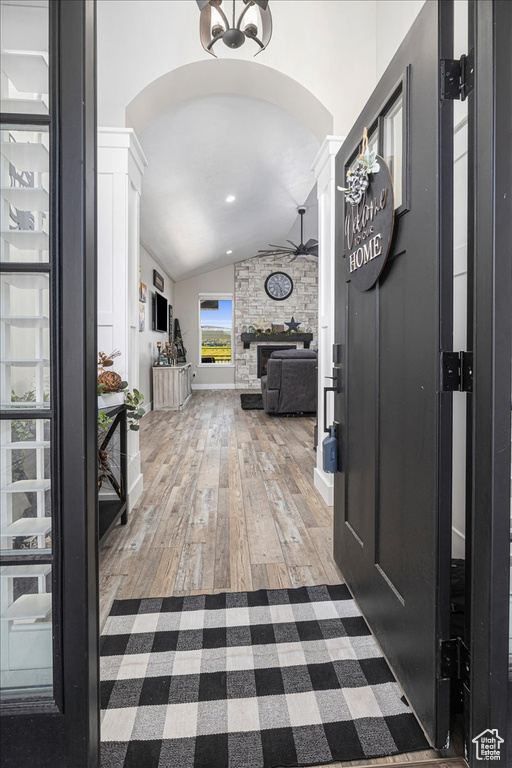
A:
(325, 172)
(121, 164)
(316, 42)
(186, 309)
(393, 19)
(148, 338)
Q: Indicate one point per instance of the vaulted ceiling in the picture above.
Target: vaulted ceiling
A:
(206, 149)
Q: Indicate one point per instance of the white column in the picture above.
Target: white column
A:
(121, 164)
(324, 168)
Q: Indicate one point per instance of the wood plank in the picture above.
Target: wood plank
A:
(222, 545)
(146, 576)
(259, 577)
(278, 576)
(190, 569)
(166, 572)
(240, 563)
(307, 575)
(323, 542)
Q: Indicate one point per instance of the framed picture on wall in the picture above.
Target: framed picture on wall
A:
(158, 280)
(142, 317)
(143, 292)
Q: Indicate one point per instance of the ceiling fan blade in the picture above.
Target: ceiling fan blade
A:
(274, 253)
(292, 258)
(295, 247)
(311, 243)
(282, 247)
(313, 251)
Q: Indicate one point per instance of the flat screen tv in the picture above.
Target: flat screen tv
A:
(159, 313)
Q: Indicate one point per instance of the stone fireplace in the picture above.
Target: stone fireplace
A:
(253, 307)
(264, 352)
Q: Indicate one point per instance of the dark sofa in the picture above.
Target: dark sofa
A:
(291, 383)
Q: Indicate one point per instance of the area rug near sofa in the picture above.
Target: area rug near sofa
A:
(287, 677)
(251, 402)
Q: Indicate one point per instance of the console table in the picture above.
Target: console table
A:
(172, 386)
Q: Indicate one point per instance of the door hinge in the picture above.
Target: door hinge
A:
(454, 660)
(457, 77)
(456, 371)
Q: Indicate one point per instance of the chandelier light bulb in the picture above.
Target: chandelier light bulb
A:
(234, 22)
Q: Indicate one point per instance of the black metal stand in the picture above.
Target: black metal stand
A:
(111, 510)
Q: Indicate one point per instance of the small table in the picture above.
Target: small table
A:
(112, 503)
(172, 386)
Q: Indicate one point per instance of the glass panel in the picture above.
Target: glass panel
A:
(393, 147)
(24, 57)
(25, 499)
(24, 341)
(373, 144)
(26, 654)
(373, 140)
(216, 330)
(24, 185)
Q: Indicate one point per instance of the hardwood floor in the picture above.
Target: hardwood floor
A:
(228, 505)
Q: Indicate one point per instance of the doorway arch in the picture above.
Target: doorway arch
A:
(229, 76)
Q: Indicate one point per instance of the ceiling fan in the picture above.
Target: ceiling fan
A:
(296, 251)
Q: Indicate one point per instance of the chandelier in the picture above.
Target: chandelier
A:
(254, 23)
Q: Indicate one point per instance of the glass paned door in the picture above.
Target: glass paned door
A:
(25, 198)
(27, 567)
(49, 642)
(24, 57)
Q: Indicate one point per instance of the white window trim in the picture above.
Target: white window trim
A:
(222, 297)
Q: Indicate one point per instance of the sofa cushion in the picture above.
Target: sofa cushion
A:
(294, 354)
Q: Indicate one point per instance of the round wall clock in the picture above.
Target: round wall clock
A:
(279, 286)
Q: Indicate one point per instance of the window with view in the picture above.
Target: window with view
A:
(216, 329)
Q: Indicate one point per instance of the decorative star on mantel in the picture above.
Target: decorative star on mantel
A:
(293, 325)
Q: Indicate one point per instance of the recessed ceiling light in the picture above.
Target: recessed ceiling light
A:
(230, 199)
(228, 252)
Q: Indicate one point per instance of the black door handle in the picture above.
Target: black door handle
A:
(335, 388)
(326, 390)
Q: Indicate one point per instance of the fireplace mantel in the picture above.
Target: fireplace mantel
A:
(273, 338)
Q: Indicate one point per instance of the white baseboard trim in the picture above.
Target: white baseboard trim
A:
(135, 492)
(148, 407)
(325, 486)
(213, 386)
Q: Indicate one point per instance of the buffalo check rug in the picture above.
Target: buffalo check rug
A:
(288, 677)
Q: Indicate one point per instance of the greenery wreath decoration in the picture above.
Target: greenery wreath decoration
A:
(357, 178)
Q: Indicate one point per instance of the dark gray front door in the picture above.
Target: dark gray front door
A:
(393, 494)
